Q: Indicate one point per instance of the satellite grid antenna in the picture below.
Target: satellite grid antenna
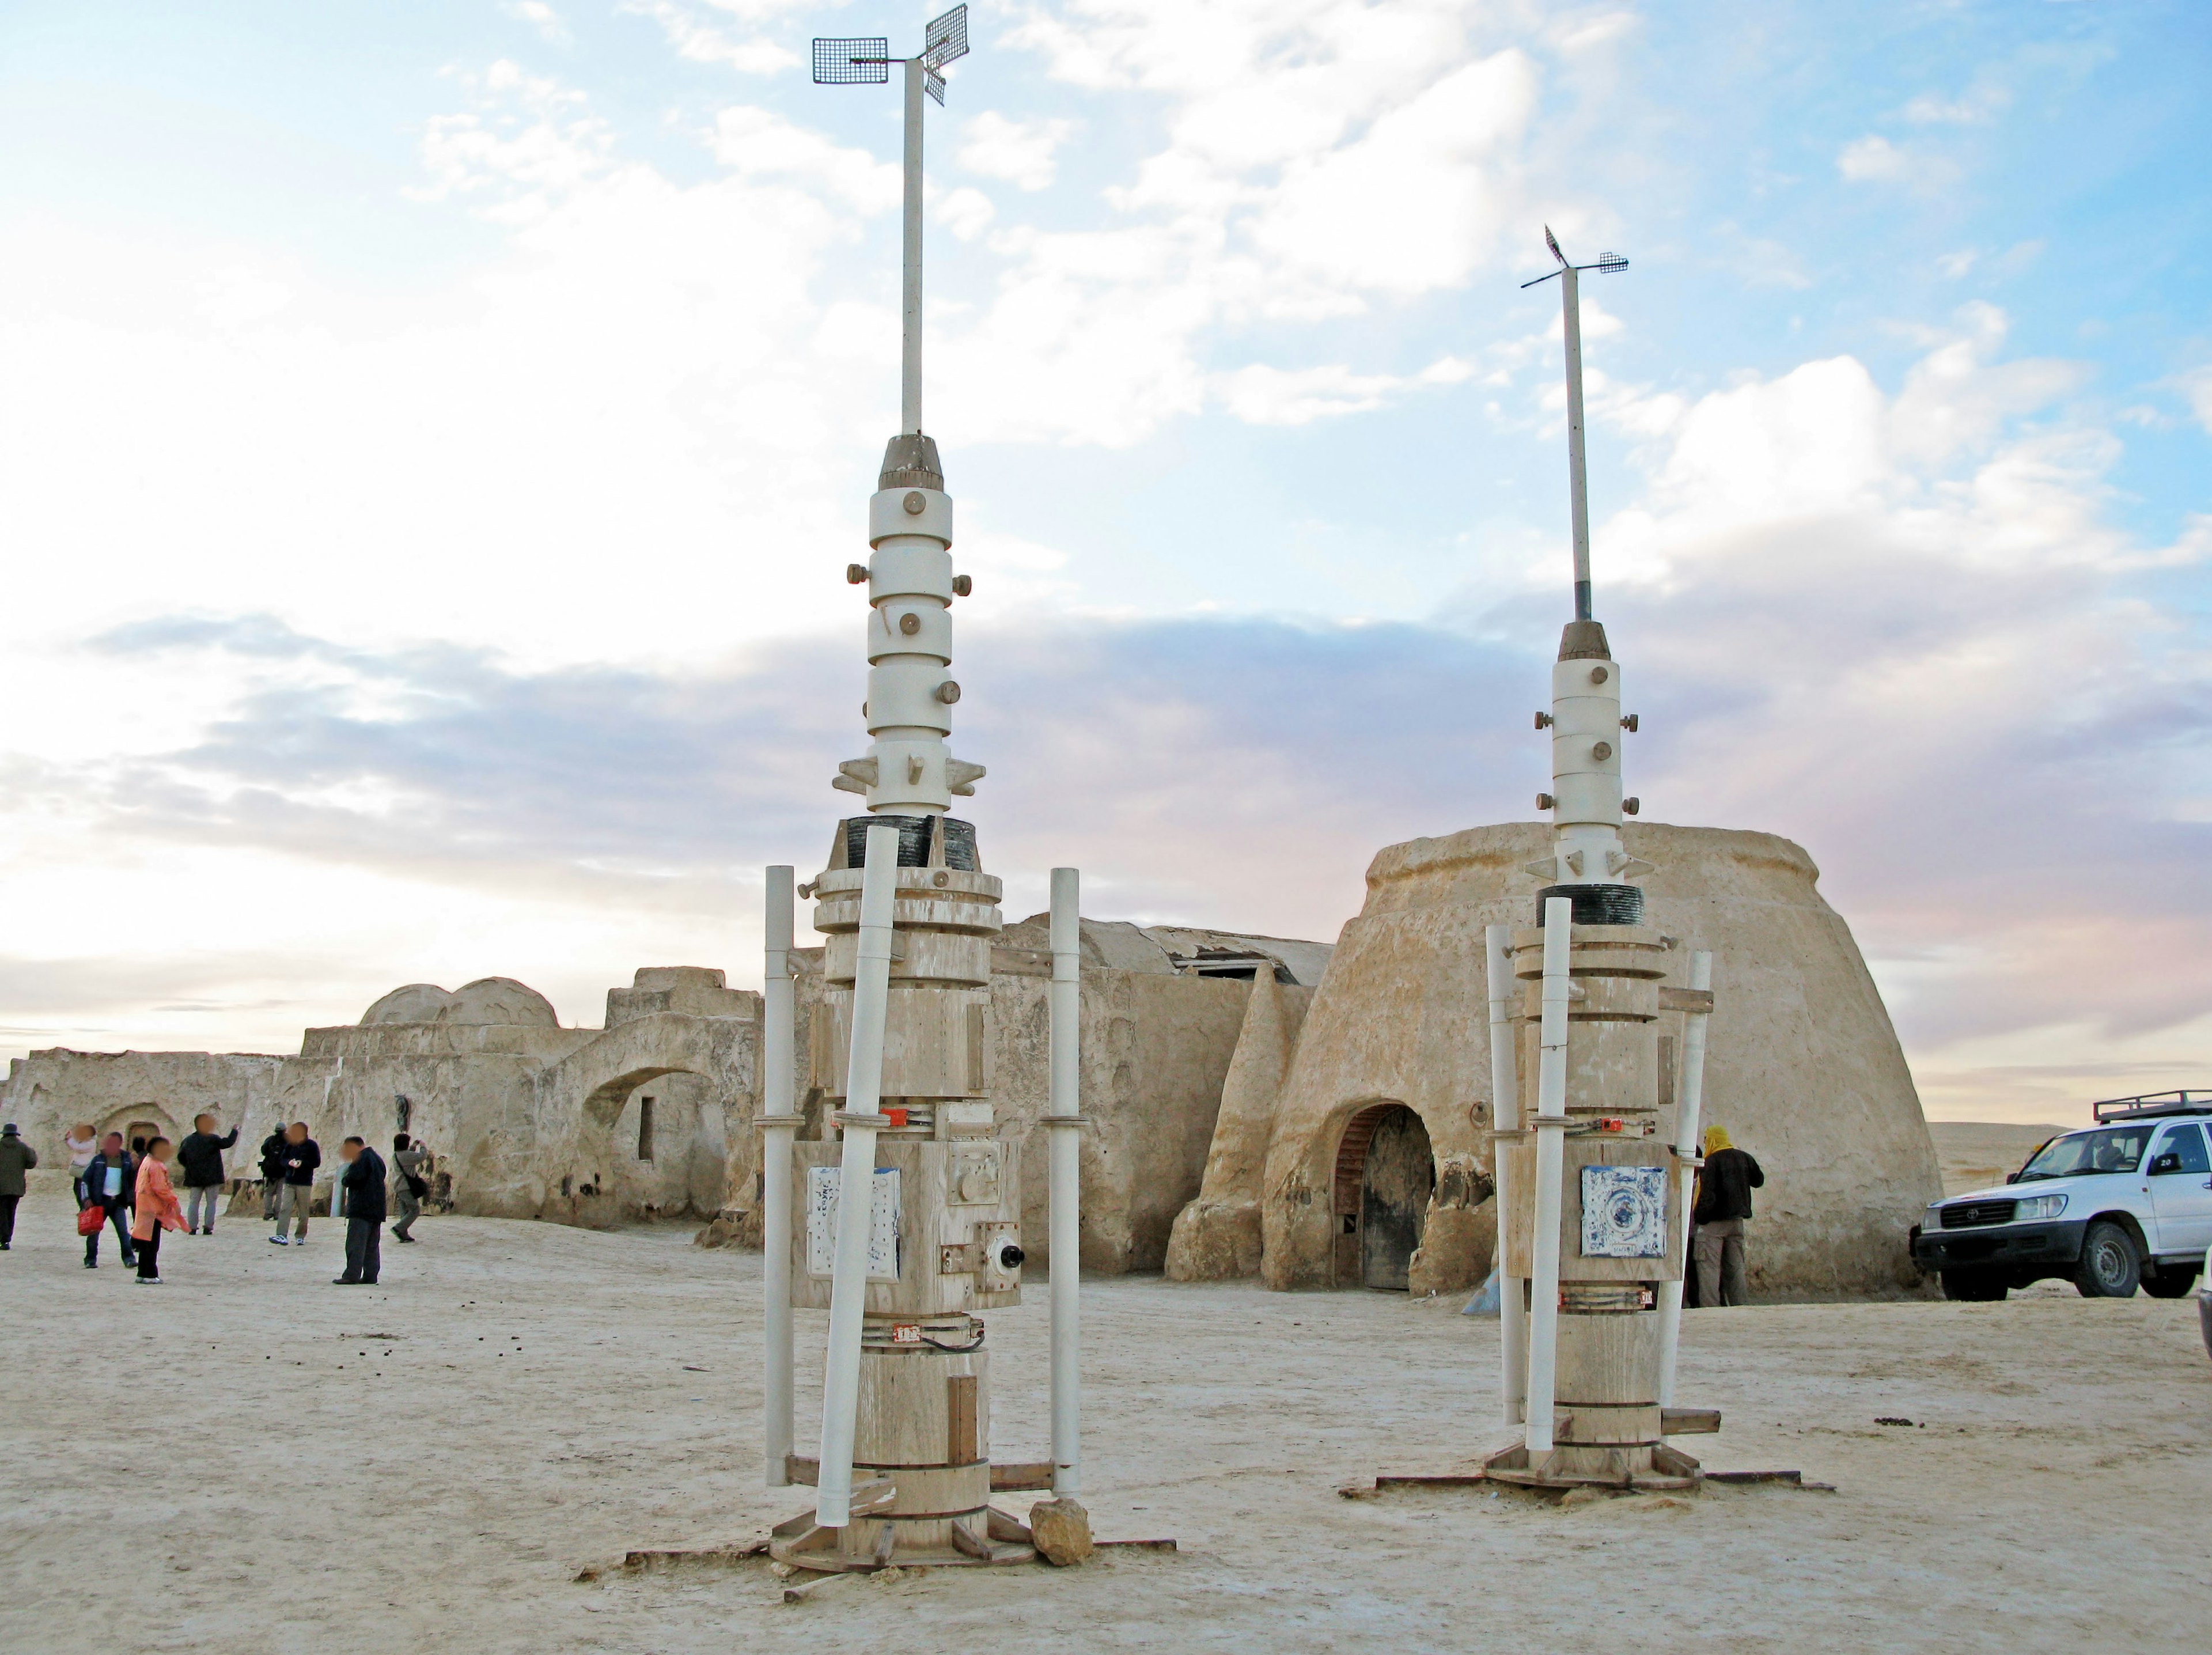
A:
(912, 1211)
(1608, 264)
(865, 60)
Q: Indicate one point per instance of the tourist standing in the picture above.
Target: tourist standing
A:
(272, 1173)
(82, 1143)
(201, 1156)
(363, 1183)
(156, 1209)
(16, 1158)
(302, 1155)
(111, 1184)
(409, 1158)
(1723, 1204)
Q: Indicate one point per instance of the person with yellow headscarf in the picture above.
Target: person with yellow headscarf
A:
(1723, 1206)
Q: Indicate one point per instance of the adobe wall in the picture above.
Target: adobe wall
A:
(1802, 1065)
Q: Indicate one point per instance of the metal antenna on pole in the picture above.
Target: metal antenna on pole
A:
(1571, 310)
(865, 61)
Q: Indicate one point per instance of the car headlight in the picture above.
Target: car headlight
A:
(2033, 1207)
(1932, 1220)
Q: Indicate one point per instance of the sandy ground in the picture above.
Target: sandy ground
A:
(249, 1460)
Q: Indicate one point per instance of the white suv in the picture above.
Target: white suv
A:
(2124, 1203)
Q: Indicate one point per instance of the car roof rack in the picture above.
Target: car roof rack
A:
(2150, 1104)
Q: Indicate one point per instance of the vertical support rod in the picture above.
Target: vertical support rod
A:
(1506, 1116)
(864, 1078)
(1067, 1232)
(1577, 474)
(1692, 1105)
(910, 296)
(779, 1120)
(1551, 1154)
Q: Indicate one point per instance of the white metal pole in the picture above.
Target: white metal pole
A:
(1064, 1121)
(1551, 1121)
(910, 302)
(1686, 1151)
(779, 1123)
(1506, 1116)
(864, 1075)
(1578, 476)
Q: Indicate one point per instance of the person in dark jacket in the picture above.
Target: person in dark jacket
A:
(363, 1183)
(1724, 1188)
(111, 1183)
(200, 1155)
(302, 1155)
(272, 1174)
(16, 1158)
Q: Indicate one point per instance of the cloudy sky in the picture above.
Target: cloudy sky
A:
(432, 436)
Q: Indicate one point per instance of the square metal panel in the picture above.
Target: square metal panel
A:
(945, 38)
(852, 63)
(1624, 1212)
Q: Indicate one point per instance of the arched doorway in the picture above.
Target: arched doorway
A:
(1385, 1174)
(652, 1145)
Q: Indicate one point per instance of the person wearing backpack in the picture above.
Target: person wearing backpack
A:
(408, 1184)
(16, 1158)
(111, 1184)
(201, 1156)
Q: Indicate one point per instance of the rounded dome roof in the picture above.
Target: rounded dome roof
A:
(499, 1000)
(418, 1002)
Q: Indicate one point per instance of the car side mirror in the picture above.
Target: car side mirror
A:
(2166, 1164)
(2012, 1178)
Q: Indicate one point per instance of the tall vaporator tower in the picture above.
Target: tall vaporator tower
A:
(1596, 1107)
(907, 1223)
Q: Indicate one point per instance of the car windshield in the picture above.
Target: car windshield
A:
(2109, 1149)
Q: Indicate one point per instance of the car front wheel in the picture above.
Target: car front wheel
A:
(1974, 1287)
(2111, 1267)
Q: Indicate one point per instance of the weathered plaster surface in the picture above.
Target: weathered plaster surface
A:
(1802, 1065)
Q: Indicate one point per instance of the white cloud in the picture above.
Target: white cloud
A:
(1978, 107)
(540, 16)
(1262, 395)
(2195, 385)
(697, 36)
(1021, 152)
(1873, 159)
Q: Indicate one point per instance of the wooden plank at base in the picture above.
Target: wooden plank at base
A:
(1688, 1421)
(1438, 1480)
(1021, 1475)
(1686, 1000)
(804, 1469)
(1793, 1478)
(1133, 1545)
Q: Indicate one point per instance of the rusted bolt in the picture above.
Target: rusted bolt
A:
(1598, 674)
(1543, 720)
(1603, 751)
(961, 585)
(914, 504)
(1545, 801)
(948, 692)
(856, 574)
(1629, 723)
(1630, 806)
(940, 879)
(909, 623)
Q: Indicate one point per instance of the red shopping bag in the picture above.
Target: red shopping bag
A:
(89, 1219)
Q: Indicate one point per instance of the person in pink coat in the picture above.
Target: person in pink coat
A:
(157, 1209)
